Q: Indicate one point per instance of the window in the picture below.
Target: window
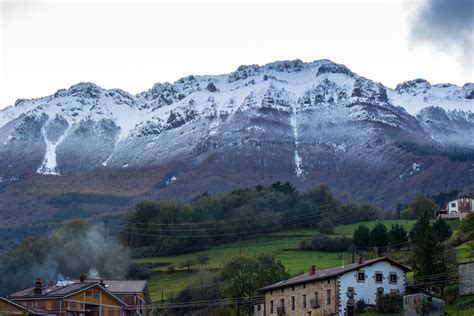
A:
(88, 293)
(328, 297)
(292, 287)
(282, 302)
(304, 300)
(379, 292)
(453, 204)
(283, 290)
(329, 281)
(393, 277)
(361, 276)
(378, 277)
(271, 307)
(304, 285)
(350, 293)
(315, 301)
(292, 303)
(259, 307)
(96, 294)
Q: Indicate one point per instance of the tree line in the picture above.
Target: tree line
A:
(171, 227)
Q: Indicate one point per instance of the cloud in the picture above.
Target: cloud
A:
(446, 24)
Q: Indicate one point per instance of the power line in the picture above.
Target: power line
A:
(306, 208)
(162, 233)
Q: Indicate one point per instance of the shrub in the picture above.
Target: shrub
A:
(326, 226)
(202, 259)
(170, 268)
(407, 214)
(390, 304)
(187, 264)
(360, 306)
(326, 243)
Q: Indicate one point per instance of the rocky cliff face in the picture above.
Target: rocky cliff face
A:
(303, 122)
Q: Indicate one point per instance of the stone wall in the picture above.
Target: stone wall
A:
(310, 288)
(466, 278)
(422, 304)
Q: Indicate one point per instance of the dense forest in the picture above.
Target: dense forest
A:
(165, 227)
(454, 153)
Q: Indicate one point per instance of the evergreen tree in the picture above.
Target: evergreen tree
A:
(428, 252)
(361, 237)
(442, 230)
(379, 238)
(397, 236)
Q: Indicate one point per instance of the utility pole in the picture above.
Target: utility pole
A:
(105, 229)
(129, 235)
(353, 254)
(162, 307)
(240, 246)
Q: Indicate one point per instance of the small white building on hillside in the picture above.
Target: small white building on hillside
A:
(459, 208)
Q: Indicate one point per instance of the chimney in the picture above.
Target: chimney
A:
(102, 283)
(360, 260)
(83, 277)
(312, 270)
(38, 289)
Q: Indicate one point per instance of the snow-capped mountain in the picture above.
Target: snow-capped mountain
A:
(305, 122)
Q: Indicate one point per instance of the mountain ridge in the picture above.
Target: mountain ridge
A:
(289, 120)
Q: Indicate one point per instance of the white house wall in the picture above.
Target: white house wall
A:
(368, 289)
(452, 208)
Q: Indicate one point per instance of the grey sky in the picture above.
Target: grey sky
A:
(448, 25)
(48, 45)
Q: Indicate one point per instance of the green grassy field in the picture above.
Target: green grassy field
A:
(349, 229)
(283, 245)
(284, 248)
(465, 252)
(169, 282)
(459, 307)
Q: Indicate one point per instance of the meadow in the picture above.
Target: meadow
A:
(283, 245)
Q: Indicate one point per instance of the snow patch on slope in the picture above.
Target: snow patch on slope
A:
(298, 160)
(49, 164)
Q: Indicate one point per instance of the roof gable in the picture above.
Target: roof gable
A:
(61, 291)
(102, 289)
(120, 287)
(22, 307)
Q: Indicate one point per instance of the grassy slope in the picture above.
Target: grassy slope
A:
(283, 245)
(458, 307)
(349, 229)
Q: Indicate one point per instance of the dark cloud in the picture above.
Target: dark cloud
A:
(447, 24)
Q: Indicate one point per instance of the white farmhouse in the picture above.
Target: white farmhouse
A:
(458, 208)
(333, 291)
(368, 282)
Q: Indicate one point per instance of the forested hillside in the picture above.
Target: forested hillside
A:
(166, 227)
